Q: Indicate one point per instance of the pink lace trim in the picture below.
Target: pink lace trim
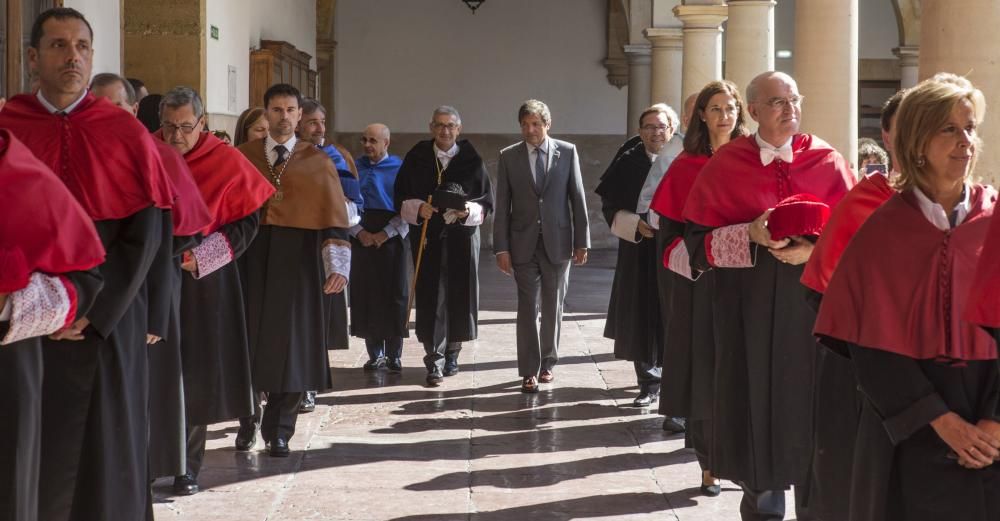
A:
(729, 246)
(676, 259)
(213, 253)
(39, 309)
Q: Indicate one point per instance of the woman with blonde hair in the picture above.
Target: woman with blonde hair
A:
(928, 433)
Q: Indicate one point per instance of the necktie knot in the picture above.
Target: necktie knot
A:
(282, 153)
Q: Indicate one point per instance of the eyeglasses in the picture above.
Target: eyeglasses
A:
(655, 128)
(170, 128)
(449, 126)
(783, 103)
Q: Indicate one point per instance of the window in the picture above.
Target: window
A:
(16, 17)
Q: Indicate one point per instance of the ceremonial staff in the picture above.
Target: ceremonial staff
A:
(420, 250)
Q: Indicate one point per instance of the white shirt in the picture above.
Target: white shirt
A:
(935, 213)
(52, 108)
(445, 157)
(533, 153)
(784, 150)
(270, 143)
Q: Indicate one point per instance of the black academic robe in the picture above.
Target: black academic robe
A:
(417, 179)
(379, 289)
(214, 344)
(337, 337)
(167, 438)
(634, 320)
(286, 312)
(21, 372)
(95, 416)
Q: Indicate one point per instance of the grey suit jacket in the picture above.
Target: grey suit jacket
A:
(558, 210)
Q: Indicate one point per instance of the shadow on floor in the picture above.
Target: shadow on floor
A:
(605, 505)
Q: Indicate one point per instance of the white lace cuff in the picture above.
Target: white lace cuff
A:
(41, 308)
(213, 253)
(625, 225)
(337, 259)
(411, 211)
(729, 246)
(476, 214)
(677, 260)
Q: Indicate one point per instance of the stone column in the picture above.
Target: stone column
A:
(826, 68)
(702, 45)
(749, 40)
(909, 65)
(954, 37)
(668, 65)
(638, 84)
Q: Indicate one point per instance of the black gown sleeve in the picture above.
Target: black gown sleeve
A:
(132, 245)
(88, 285)
(903, 396)
(694, 240)
(160, 283)
(241, 233)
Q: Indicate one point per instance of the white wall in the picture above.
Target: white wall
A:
(104, 17)
(232, 48)
(399, 59)
(242, 24)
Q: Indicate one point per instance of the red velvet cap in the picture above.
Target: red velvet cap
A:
(802, 214)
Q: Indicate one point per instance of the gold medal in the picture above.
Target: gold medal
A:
(278, 195)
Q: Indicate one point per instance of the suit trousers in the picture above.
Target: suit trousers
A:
(437, 350)
(196, 436)
(541, 287)
(280, 415)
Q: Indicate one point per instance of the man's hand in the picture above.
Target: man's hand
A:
(3, 296)
(335, 284)
(366, 239)
(503, 262)
(3, 101)
(152, 339)
(645, 230)
(796, 253)
(761, 235)
(992, 429)
(975, 447)
(189, 263)
(378, 239)
(73, 332)
(580, 256)
(426, 211)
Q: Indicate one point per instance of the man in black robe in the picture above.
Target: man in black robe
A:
(94, 419)
(634, 320)
(301, 254)
(447, 279)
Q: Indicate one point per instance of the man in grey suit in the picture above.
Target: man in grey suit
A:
(540, 224)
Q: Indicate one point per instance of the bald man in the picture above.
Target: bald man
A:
(378, 274)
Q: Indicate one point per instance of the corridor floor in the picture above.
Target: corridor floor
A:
(385, 447)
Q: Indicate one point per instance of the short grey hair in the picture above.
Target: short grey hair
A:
(447, 110)
(311, 105)
(180, 96)
(666, 110)
(533, 107)
(108, 78)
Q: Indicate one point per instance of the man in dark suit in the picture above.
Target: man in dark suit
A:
(541, 223)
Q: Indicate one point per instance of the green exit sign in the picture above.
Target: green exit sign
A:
(215, 32)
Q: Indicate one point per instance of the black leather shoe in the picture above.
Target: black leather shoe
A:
(674, 424)
(434, 378)
(308, 402)
(246, 438)
(451, 364)
(185, 485)
(645, 399)
(374, 364)
(711, 490)
(278, 448)
(394, 365)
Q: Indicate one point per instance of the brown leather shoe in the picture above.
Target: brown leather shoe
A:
(546, 377)
(529, 385)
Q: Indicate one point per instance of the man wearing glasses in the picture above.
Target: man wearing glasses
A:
(214, 352)
(447, 280)
(634, 309)
(765, 351)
